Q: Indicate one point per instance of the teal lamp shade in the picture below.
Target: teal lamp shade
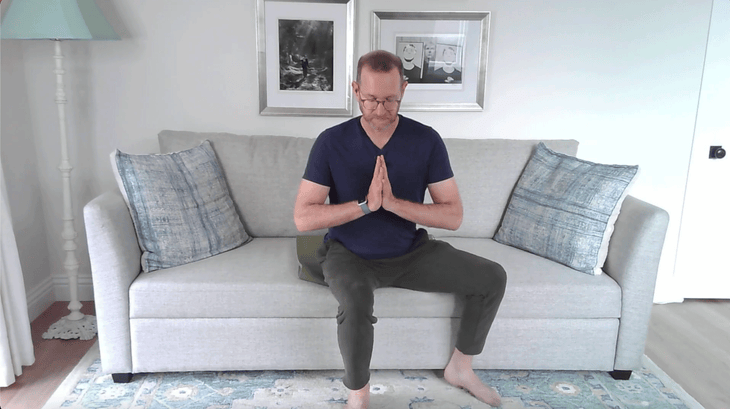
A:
(57, 20)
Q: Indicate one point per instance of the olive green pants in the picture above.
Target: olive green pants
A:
(434, 266)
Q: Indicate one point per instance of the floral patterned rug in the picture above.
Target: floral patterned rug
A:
(86, 387)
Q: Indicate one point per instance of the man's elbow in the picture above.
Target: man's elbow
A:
(300, 222)
(300, 225)
(457, 219)
(456, 223)
(305, 223)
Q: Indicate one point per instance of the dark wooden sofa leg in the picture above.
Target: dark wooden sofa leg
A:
(620, 375)
(122, 377)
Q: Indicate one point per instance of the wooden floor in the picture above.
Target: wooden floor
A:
(54, 359)
(689, 341)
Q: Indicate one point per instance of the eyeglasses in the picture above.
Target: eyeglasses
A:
(372, 104)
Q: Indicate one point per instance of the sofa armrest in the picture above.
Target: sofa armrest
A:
(633, 261)
(115, 263)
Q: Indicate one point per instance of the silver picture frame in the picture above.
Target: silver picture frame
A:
(305, 57)
(452, 48)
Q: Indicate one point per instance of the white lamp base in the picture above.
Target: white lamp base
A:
(84, 328)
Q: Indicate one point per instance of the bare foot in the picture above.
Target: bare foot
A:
(359, 399)
(460, 374)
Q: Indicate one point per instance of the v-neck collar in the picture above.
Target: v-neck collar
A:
(369, 140)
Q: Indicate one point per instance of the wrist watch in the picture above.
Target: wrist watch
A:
(364, 206)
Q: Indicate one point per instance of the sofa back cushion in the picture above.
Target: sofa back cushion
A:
(264, 172)
(486, 171)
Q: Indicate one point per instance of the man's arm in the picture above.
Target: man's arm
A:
(446, 212)
(311, 212)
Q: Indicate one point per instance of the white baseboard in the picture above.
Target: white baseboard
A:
(62, 292)
(54, 289)
(667, 291)
(40, 298)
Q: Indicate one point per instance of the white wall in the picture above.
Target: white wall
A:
(21, 168)
(622, 77)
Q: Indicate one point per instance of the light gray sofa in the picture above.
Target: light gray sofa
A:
(246, 309)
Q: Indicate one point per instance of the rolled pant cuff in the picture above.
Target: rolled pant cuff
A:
(356, 384)
(470, 349)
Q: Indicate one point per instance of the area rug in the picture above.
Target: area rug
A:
(86, 388)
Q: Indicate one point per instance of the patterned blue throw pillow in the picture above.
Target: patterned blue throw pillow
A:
(180, 205)
(564, 209)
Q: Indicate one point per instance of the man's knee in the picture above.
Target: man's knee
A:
(497, 278)
(356, 300)
(357, 294)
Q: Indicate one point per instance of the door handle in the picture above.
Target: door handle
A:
(717, 152)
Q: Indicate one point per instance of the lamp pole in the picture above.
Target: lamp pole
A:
(76, 324)
(71, 264)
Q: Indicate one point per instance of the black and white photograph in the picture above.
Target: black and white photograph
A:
(305, 51)
(306, 55)
(431, 59)
(444, 56)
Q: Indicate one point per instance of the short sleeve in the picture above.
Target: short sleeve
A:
(318, 169)
(439, 166)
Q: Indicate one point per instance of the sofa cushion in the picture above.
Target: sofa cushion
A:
(309, 267)
(263, 172)
(260, 280)
(180, 205)
(564, 208)
(541, 288)
(486, 171)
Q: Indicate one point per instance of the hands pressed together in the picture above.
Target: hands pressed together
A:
(381, 192)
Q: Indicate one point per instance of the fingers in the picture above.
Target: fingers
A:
(381, 159)
(387, 189)
(384, 172)
(380, 185)
(375, 194)
(378, 172)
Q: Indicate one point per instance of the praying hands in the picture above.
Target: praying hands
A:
(381, 192)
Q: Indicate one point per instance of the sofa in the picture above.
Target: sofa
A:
(248, 308)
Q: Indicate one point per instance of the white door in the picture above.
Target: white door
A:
(702, 268)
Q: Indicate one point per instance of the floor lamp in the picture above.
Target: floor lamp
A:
(59, 20)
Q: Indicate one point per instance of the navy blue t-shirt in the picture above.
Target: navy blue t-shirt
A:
(343, 158)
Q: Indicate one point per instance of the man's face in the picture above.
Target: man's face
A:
(380, 86)
(449, 56)
(430, 50)
(409, 53)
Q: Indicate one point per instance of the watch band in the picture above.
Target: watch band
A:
(364, 206)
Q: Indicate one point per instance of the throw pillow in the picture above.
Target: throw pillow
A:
(564, 208)
(180, 205)
(309, 267)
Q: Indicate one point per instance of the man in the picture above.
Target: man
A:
(305, 66)
(448, 72)
(375, 169)
(429, 50)
(411, 71)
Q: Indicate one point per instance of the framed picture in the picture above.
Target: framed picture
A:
(444, 56)
(305, 54)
